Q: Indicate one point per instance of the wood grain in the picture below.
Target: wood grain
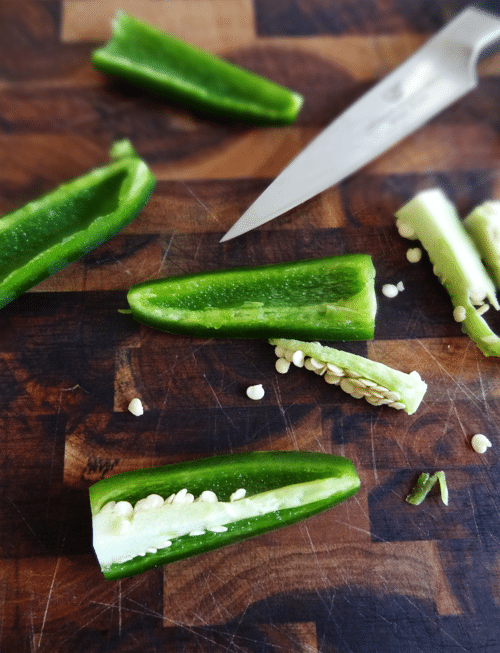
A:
(373, 575)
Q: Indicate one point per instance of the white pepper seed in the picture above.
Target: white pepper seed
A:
(459, 313)
(238, 494)
(136, 407)
(389, 290)
(405, 230)
(208, 497)
(414, 254)
(279, 351)
(332, 378)
(124, 509)
(282, 365)
(334, 369)
(480, 443)
(255, 392)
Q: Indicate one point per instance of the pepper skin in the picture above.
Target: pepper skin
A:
(282, 487)
(170, 67)
(329, 298)
(45, 235)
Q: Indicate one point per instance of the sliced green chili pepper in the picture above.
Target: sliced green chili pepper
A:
(331, 298)
(50, 232)
(150, 517)
(174, 69)
(358, 376)
(433, 219)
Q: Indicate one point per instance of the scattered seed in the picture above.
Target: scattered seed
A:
(480, 443)
(389, 290)
(219, 529)
(136, 407)
(255, 392)
(400, 286)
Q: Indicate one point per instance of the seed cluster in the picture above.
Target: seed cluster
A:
(348, 380)
(126, 510)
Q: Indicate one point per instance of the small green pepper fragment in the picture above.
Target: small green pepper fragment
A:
(424, 485)
(151, 517)
(48, 233)
(176, 70)
(332, 298)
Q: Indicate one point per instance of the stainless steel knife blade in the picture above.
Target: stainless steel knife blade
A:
(438, 74)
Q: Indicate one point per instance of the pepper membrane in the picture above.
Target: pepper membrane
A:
(141, 519)
(331, 298)
(48, 233)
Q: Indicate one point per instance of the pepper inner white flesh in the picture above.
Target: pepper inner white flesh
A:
(120, 535)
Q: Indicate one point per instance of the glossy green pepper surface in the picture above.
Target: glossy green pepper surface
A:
(45, 235)
(176, 70)
(330, 298)
(150, 517)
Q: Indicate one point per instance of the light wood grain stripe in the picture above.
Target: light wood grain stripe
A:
(216, 25)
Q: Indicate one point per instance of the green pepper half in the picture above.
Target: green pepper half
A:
(176, 70)
(331, 298)
(150, 517)
(45, 235)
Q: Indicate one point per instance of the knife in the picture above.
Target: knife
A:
(438, 74)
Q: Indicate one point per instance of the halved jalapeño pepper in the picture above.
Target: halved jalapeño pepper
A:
(50, 232)
(150, 517)
(331, 298)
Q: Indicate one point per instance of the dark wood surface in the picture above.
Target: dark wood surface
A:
(374, 575)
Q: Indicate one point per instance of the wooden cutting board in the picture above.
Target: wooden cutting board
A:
(372, 575)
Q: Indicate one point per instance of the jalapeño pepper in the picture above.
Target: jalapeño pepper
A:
(150, 517)
(174, 69)
(50, 232)
(331, 298)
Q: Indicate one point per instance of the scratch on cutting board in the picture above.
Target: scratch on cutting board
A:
(214, 217)
(219, 404)
(49, 596)
(166, 252)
